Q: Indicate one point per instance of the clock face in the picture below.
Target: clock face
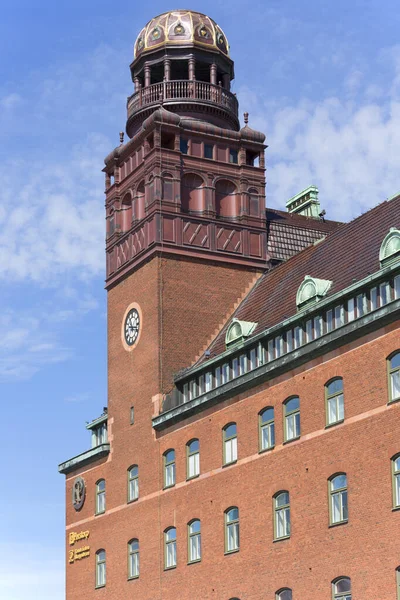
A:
(132, 325)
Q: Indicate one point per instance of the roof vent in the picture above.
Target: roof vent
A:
(306, 203)
(311, 290)
(390, 248)
(238, 331)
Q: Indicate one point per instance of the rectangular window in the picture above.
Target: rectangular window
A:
(185, 392)
(396, 287)
(384, 293)
(360, 305)
(309, 331)
(329, 321)
(235, 367)
(351, 312)
(318, 327)
(225, 373)
(201, 385)
(289, 340)
(208, 381)
(218, 376)
(339, 316)
(260, 355)
(373, 296)
(192, 389)
(242, 364)
(253, 359)
(233, 156)
(271, 351)
(230, 450)
(132, 421)
(298, 337)
(208, 150)
(184, 146)
(278, 342)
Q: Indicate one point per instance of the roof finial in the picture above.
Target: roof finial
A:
(121, 137)
(246, 118)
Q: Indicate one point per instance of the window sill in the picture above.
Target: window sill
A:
(192, 477)
(395, 508)
(194, 562)
(291, 440)
(233, 462)
(393, 401)
(133, 500)
(263, 450)
(338, 523)
(169, 568)
(99, 587)
(168, 487)
(329, 425)
(97, 514)
(282, 539)
(227, 552)
(133, 577)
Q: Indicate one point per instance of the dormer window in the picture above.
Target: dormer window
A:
(390, 248)
(98, 428)
(311, 290)
(238, 331)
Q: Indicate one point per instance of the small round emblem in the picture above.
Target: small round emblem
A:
(78, 493)
(132, 325)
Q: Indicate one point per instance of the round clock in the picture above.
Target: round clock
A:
(132, 326)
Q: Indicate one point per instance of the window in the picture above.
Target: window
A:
(194, 541)
(396, 287)
(351, 313)
(282, 515)
(230, 443)
(99, 435)
(208, 150)
(394, 376)
(170, 548)
(133, 483)
(208, 381)
(292, 418)
(232, 529)
(133, 559)
(384, 293)
(338, 499)
(396, 481)
(169, 468)
(284, 594)
(341, 589)
(233, 156)
(266, 429)
(242, 364)
(225, 372)
(373, 297)
(329, 321)
(184, 146)
(100, 568)
(334, 401)
(398, 582)
(193, 458)
(100, 496)
(339, 315)
(132, 415)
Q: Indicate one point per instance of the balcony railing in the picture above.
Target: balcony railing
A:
(190, 91)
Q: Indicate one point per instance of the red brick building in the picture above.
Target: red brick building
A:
(250, 446)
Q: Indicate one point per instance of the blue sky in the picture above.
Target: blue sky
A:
(320, 78)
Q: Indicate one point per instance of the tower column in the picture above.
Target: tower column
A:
(213, 74)
(167, 69)
(147, 75)
(192, 68)
(136, 82)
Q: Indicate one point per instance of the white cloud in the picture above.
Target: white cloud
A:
(350, 150)
(10, 101)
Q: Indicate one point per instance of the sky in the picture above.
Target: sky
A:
(320, 78)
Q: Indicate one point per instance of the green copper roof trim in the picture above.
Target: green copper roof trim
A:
(314, 309)
(312, 190)
(97, 421)
(311, 290)
(84, 458)
(238, 330)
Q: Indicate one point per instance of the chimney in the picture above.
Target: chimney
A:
(305, 203)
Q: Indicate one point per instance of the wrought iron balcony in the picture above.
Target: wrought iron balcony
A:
(186, 92)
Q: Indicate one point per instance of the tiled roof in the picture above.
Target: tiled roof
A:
(289, 233)
(348, 254)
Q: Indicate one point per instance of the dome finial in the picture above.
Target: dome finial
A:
(246, 118)
(121, 137)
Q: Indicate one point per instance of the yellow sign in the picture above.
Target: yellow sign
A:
(76, 537)
(78, 554)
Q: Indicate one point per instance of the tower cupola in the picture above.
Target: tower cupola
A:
(181, 60)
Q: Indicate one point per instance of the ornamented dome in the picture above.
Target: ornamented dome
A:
(181, 27)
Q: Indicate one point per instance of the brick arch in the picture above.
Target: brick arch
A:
(226, 199)
(126, 211)
(192, 193)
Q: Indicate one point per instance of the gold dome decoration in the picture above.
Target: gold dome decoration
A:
(181, 27)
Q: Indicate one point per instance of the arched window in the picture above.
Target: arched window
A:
(226, 199)
(281, 515)
(338, 498)
(284, 594)
(100, 568)
(291, 408)
(396, 480)
(133, 559)
(229, 443)
(194, 541)
(170, 548)
(193, 459)
(126, 208)
(266, 427)
(140, 201)
(169, 468)
(192, 197)
(232, 539)
(334, 401)
(100, 496)
(341, 588)
(393, 363)
(133, 483)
